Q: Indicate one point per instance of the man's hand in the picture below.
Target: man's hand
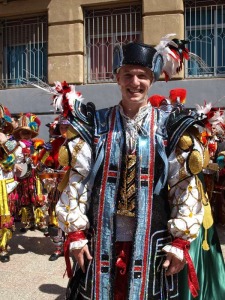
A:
(172, 264)
(17, 169)
(3, 138)
(80, 256)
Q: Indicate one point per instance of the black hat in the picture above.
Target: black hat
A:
(138, 54)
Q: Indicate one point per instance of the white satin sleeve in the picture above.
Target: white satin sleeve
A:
(185, 197)
(74, 201)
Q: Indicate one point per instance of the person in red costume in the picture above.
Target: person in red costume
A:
(27, 189)
(51, 175)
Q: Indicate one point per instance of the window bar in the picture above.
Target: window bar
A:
(195, 28)
(215, 41)
(93, 48)
(39, 51)
(97, 49)
(32, 53)
(212, 46)
(222, 27)
(102, 47)
(107, 48)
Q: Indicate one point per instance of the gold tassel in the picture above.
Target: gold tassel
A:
(24, 215)
(53, 219)
(207, 223)
(45, 156)
(38, 186)
(4, 208)
(38, 215)
(63, 183)
(207, 218)
(5, 236)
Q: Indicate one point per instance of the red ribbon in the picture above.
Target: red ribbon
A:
(192, 276)
(72, 237)
(121, 262)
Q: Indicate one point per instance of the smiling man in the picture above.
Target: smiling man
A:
(138, 230)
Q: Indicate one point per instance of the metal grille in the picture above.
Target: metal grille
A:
(24, 48)
(104, 28)
(204, 25)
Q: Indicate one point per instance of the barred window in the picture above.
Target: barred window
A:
(104, 28)
(24, 48)
(204, 25)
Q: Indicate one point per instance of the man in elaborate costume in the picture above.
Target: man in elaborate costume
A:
(130, 238)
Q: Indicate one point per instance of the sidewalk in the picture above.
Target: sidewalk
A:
(30, 275)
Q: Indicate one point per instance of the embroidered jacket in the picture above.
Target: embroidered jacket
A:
(157, 218)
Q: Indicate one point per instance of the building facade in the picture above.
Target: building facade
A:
(55, 40)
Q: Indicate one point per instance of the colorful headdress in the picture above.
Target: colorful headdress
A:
(65, 97)
(5, 120)
(28, 122)
(213, 119)
(156, 100)
(167, 57)
(178, 95)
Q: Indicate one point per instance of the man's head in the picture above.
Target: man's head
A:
(136, 66)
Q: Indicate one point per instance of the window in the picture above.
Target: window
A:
(24, 50)
(104, 28)
(204, 25)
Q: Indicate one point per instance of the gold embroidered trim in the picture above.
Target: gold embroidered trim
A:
(185, 142)
(195, 162)
(76, 151)
(63, 156)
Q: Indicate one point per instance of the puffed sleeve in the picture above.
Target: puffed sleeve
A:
(73, 203)
(185, 190)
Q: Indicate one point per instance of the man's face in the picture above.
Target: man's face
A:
(63, 129)
(134, 82)
(14, 123)
(25, 134)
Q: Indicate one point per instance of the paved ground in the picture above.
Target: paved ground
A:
(31, 276)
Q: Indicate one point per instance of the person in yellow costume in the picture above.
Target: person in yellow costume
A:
(10, 156)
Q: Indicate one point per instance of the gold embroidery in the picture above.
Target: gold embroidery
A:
(76, 151)
(63, 157)
(185, 142)
(181, 160)
(195, 162)
(126, 201)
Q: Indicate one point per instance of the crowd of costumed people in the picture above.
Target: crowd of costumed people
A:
(46, 185)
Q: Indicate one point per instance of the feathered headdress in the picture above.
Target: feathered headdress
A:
(167, 57)
(213, 118)
(156, 100)
(64, 94)
(178, 95)
(65, 98)
(173, 52)
(5, 120)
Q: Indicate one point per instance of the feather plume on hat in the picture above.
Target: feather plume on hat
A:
(156, 100)
(65, 99)
(178, 95)
(213, 118)
(173, 52)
